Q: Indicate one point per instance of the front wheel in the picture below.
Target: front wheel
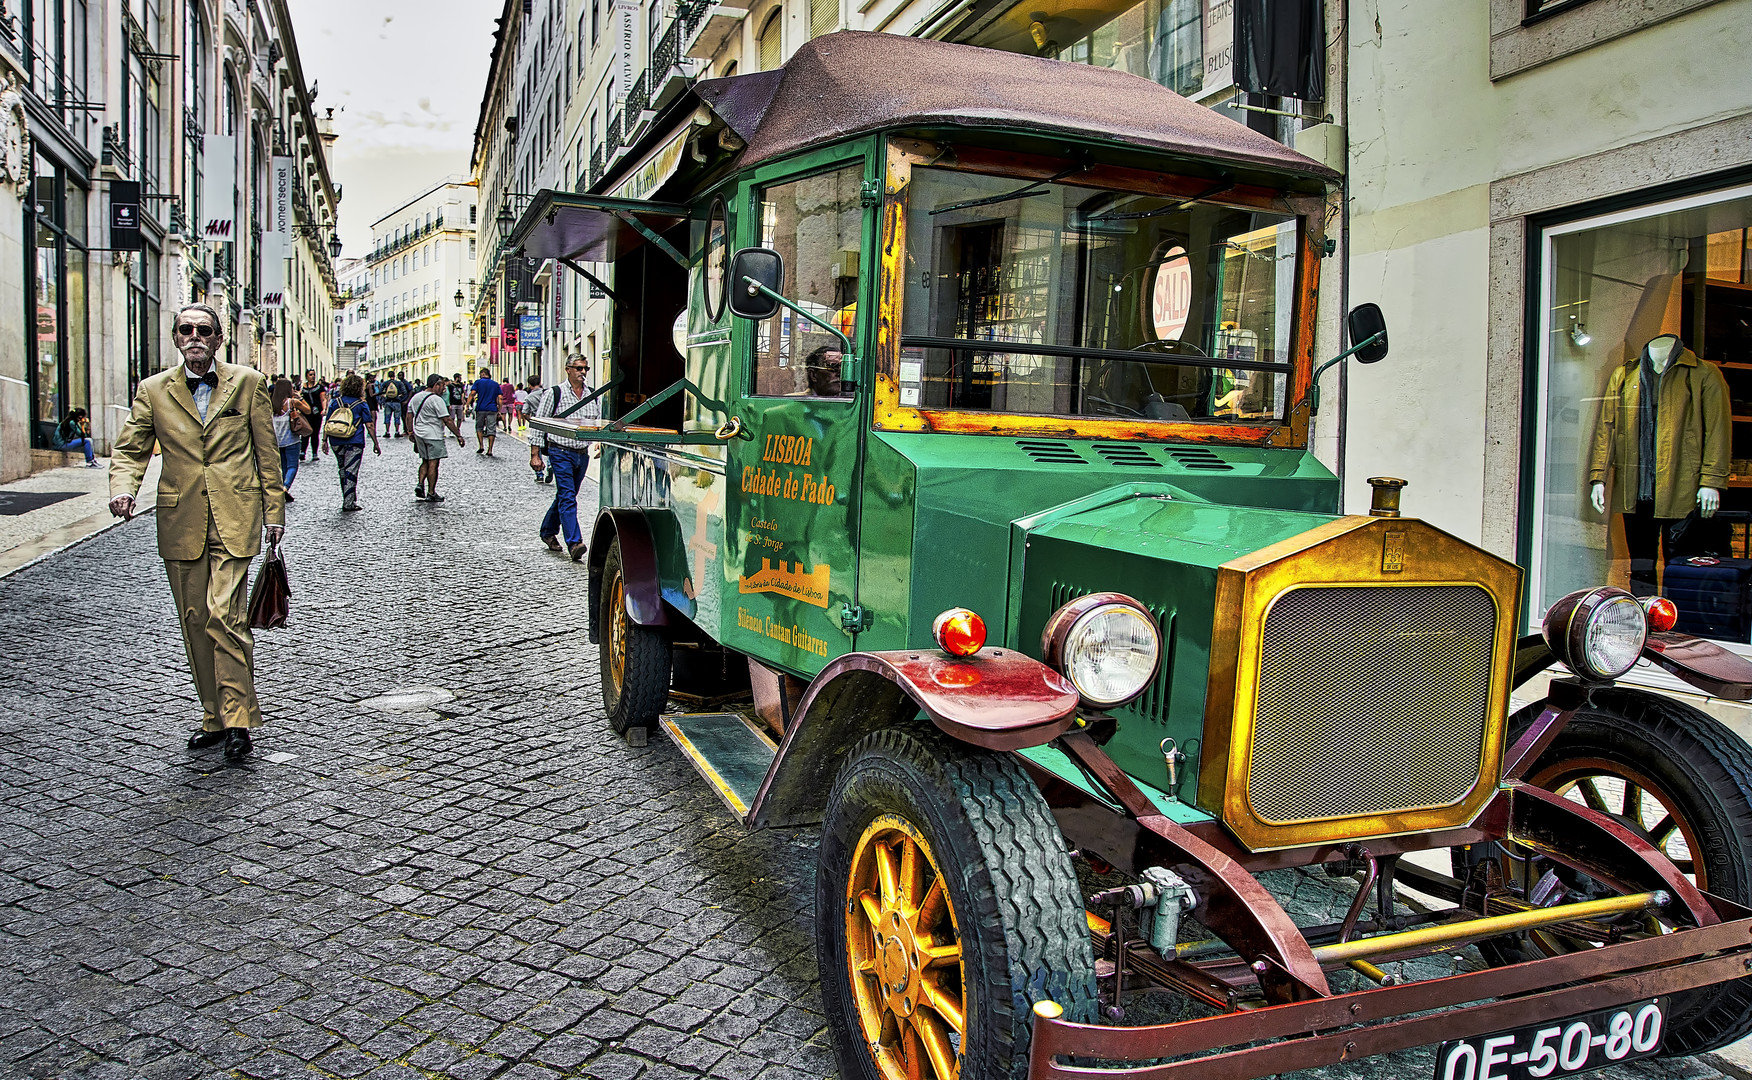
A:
(635, 659)
(945, 906)
(1682, 781)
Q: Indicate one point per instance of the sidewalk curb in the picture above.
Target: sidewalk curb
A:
(6, 572)
(1728, 1068)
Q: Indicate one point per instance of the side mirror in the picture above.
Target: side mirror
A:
(765, 266)
(1365, 322)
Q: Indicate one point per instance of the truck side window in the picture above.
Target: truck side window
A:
(817, 225)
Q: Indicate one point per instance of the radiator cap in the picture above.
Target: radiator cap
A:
(1385, 502)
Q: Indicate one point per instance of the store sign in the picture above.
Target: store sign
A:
(272, 284)
(1219, 46)
(530, 332)
(280, 200)
(622, 20)
(124, 231)
(219, 188)
(1171, 295)
(509, 334)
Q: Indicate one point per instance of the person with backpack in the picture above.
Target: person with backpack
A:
(389, 403)
(567, 457)
(484, 396)
(74, 433)
(349, 418)
(428, 416)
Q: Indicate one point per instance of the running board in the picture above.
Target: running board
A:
(732, 754)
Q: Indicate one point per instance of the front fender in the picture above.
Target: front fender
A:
(644, 587)
(999, 700)
(1703, 664)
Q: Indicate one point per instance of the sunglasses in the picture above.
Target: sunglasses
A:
(190, 330)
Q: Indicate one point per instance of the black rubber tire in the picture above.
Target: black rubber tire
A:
(1023, 933)
(1707, 770)
(643, 688)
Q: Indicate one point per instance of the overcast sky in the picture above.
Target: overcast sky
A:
(405, 79)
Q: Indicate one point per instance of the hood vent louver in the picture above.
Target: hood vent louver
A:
(1127, 454)
(1199, 458)
(1051, 452)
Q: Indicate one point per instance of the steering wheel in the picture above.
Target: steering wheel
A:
(1114, 408)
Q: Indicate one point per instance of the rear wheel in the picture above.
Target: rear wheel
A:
(635, 659)
(1679, 779)
(945, 906)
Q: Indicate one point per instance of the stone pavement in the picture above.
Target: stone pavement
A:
(47, 511)
(439, 862)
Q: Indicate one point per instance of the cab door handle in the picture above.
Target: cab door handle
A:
(729, 429)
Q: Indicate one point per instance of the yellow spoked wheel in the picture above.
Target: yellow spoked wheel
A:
(635, 659)
(904, 952)
(1680, 780)
(946, 906)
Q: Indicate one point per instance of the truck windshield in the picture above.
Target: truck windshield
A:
(1066, 300)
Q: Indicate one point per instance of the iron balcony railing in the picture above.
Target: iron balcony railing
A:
(401, 317)
(647, 90)
(383, 251)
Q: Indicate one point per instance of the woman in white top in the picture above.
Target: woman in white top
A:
(288, 403)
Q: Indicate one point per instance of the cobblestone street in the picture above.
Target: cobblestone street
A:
(438, 863)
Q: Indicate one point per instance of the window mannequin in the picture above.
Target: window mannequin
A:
(1664, 434)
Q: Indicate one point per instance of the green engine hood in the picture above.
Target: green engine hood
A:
(1161, 545)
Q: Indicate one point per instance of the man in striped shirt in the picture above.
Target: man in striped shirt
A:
(566, 457)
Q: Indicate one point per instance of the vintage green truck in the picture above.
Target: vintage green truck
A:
(960, 402)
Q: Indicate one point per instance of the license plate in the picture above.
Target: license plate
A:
(1560, 1048)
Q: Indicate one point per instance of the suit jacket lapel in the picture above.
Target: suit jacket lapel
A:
(179, 393)
(222, 393)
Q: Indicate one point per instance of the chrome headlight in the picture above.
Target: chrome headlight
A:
(1106, 644)
(1597, 633)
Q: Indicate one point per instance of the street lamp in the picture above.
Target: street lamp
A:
(458, 298)
(506, 221)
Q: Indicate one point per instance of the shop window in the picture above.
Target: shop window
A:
(817, 225)
(1625, 496)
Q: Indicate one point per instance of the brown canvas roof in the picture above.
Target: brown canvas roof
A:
(855, 82)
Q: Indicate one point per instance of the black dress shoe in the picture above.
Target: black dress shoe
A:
(203, 738)
(237, 744)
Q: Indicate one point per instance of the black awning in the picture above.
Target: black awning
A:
(590, 228)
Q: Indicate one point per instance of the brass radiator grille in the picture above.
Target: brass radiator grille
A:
(1371, 700)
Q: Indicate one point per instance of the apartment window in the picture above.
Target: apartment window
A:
(595, 21)
(1538, 9)
(823, 17)
(771, 41)
(471, 214)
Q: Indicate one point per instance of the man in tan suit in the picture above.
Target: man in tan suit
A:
(219, 490)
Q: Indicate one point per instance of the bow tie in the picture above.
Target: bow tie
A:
(211, 378)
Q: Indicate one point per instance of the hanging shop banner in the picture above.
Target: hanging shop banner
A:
(1219, 46)
(1280, 46)
(531, 330)
(273, 273)
(219, 188)
(509, 334)
(124, 230)
(622, 21)
(280, 201)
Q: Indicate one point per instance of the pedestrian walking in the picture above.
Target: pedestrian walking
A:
(219, 494)
(484, 397)
(456, 396)
(389, 405)
(567, 457)
(542, 476)
(428, 416)
(520, 408)
(507, 404)
(349, 418)
(315, 395)
(74, 433)
(291, 420)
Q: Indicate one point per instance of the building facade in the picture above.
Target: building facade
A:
(353, 316)
(421, 275)
(137, 152)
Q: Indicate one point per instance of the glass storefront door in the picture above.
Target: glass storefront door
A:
(1623, 445)
(55, 270)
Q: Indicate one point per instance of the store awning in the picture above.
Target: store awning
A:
(592, 228)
